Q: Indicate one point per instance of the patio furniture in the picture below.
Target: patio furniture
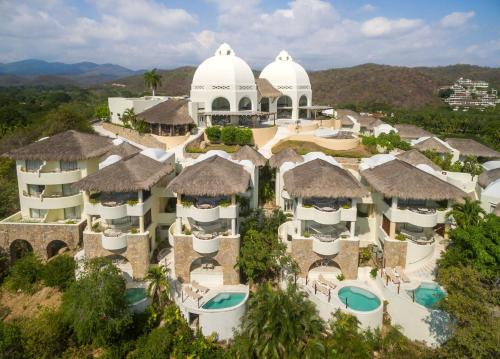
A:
(402, 274)
(392, 275)
(193, 295)
(326, 282)
(198, 287)
(318, 287)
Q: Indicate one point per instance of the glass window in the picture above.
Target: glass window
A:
(68, 189)
(37, 213)
(288, 205)
(220, 104)
(245, 104)
(69, 165)
(120, 221)
(72, 213)
(33, 165)
(35, 190)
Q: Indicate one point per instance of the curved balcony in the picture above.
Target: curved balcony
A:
(113, 241)
(55, 202)
(414, 216)
(118, 210)
(317, 215)
(206, 245)
(48, 178)
(326, 247)
(207, 214)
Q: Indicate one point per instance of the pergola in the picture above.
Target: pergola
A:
(252, 116)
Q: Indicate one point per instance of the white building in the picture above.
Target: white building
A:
(118, 105)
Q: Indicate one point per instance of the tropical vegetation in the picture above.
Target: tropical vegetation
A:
(152, 79)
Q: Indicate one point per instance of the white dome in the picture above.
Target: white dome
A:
(223, 69)
(285, 72)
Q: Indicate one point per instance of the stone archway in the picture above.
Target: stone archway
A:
(206, 271)
(326, 267)
(19, 248)
(54, 247)
(123, 264)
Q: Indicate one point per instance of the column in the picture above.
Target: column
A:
(353, 229)
(233, 220)
(298, 222)
(178, 220)
(392, 229)
(86, 199)
(140, 199)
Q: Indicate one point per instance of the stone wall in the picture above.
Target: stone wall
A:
(395, 253)
(39, 236)
(137, 251)
(185, 255)
(347, 258)
(143, 139)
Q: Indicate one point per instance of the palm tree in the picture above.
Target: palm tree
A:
(159, 286)
(152, 79)
(468, 213)
(281, 324)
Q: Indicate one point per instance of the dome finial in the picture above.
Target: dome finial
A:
(224, 50)
(284, 56)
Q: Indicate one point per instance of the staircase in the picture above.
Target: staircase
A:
(426, 269)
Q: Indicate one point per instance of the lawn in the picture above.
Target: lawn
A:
(302, 148)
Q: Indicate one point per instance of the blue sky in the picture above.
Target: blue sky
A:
(317, 33)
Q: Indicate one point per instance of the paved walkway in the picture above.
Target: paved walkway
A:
(281, 133)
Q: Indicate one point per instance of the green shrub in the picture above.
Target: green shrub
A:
(25, 273)
(373, 273)
(364, 254)
(228, 135)
(244, 136)
(341, 277)
(400, 237)
(213, 134)
(10, 341)
(59, 272)
(132, 202)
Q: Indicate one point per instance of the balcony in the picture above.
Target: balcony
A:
(49, 178)
(422, 217)
(326, 246)
(114, 209)
(207, 214)
(206, 243)
(113, 240)
(51, 201)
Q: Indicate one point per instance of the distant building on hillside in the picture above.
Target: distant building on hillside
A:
(472, 94)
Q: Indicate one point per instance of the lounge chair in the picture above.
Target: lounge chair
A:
(390, 273)
(195, 296)
(402, 274)
(326, 282)
(198, 287)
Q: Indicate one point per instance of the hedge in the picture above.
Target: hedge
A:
(231, 135)
(213, 134)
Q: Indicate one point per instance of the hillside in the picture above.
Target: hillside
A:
(364, 84)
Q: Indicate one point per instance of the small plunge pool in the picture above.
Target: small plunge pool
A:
(427, 294)
(224, 300)
(135, 295)
(359, 299)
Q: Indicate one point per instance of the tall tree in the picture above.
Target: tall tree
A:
(468, 213)
(152, 79)
(159, 286)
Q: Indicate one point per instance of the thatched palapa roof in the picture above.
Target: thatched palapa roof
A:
(397, 178)
(318, 178)
(65, 146)
(248, 153)
(214, 176)
(266, 89)
(286, 155)
(344, 114)
(468, 147)
(414, 157)
(432, 144)
(369, 122)
(488, 177)
(411, 131)
(135, 173)
(170, 112)
(124, 149)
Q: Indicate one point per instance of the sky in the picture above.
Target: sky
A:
(319, 34)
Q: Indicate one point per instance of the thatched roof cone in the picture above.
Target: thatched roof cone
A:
(468, 147)
(286, 155)
(214, 176)
(397, 178)
(414, 157)
(124, 149)
(170, 112)
(318, 178)
(411, 131)
(135, 173)
(432, 144)
(65, 146)
(248, 153)
(266, 89)
(488, 177)
(344, 114)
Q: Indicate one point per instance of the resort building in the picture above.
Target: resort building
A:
(282, 200)
(411, 206)
(324, 199)
(411, 132)
(468, 93)
(489, 189)
(127, 208)
(437, 145)
(168, 118)
(118, 105)
(468, 147)
(52, 213)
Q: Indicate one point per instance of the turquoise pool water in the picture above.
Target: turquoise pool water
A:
(359, 299)
(224, 300)
(135, 294)
(428, 294)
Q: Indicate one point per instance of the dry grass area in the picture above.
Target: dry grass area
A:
(28, 305)
(302, 148)
(210, 147)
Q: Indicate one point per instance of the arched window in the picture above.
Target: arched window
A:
(302, 102)
(245, 104)
(284, 107)
(220, 104)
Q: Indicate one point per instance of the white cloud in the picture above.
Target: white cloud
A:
(368, 8)
(456, 19)
(381, 26)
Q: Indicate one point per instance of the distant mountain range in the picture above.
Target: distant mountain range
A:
(368, 83)
(37, 72)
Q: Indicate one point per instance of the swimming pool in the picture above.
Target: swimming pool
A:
(135, 295)
(359, 299)
(427, 294)
(224, 300)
